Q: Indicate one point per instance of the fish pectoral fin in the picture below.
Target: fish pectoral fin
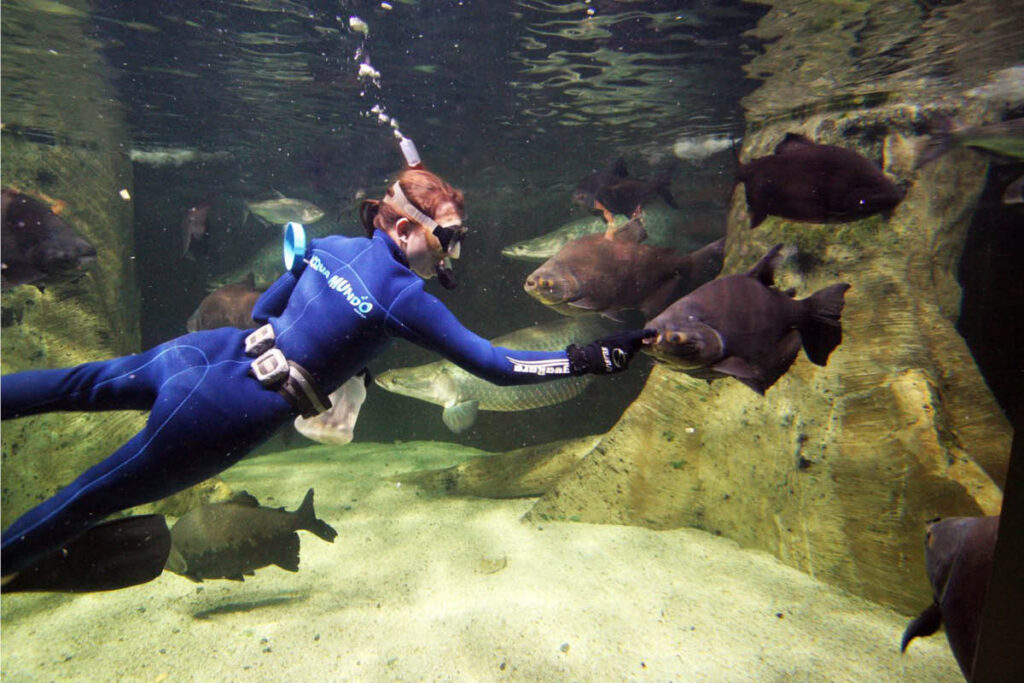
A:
(460, 416)
(584, 303)
(614, 315)
(925, 624)
(739, 368)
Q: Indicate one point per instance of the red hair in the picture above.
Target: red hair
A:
(427, 191)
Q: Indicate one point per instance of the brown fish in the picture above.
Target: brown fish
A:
(613, 272)
(228, 540)
(36, 245)
(742, 326)
(812, 183)
(958, 559)
(613, 191)
(227, 306)
(193, 225)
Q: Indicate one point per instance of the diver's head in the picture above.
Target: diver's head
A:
(423, 215)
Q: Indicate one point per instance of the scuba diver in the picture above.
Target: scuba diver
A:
(214, 395)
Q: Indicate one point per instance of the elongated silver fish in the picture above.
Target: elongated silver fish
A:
(1002, 137)
(284, 210)
(665, 226)
(462, 395)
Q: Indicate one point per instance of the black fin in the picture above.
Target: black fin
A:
(367, 377)
(764, 270)
(925, 624)
(633, 231)
(791, 142)
(706, 263)
(116, 554)
(244, 498)
(309, 522)
(664, 184)
(821, 330)
(618, 168)
(289, 556)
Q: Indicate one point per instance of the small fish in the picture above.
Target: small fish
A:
(742, 326)
(227, 306)
(1004, 137)
(176, 157)
(665, 227)
(609, 274)
(463, 395)
(812, 183)
(229, 540)
(612, 191)
(193, 225)
(1014, 192)
(285, 210)
(337, 424)
(37, 246)
(958, 559)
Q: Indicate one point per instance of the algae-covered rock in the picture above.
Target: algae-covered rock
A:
(836, 469)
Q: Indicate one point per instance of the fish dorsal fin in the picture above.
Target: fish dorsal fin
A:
(764, 270)
(244, 498)
(618, 168)
(793, 141)
(633, 231)
(277, 195)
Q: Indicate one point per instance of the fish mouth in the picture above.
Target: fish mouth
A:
(550, 290)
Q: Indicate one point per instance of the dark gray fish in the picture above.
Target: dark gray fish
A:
(1005, 138)
(193, 225)
(227, 306)
(812, 183)
(610, 273)
(742, 326)
(958, 559)
(36, 245)
(614, 191)
(228, 540)
(1014, 192)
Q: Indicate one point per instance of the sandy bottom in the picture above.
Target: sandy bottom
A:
(424, 588)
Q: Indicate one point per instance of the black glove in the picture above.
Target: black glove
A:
(607, 355)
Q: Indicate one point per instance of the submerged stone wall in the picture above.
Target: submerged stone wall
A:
(835, 470)
(63, 135)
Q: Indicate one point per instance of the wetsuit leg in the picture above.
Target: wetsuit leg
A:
(125, 383)
(204, 419)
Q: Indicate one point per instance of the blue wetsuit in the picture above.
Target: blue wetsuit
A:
(207, 411)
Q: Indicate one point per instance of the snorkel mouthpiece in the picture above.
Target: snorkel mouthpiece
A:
(446, 276)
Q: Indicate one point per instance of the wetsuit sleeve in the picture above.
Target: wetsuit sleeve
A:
(424, 320)
(273, 301)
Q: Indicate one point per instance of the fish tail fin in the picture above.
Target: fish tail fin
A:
(309, 522)
(939, 141)
(704, 264)
(821, 331)
(664, 184)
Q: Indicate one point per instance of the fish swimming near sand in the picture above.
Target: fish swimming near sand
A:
(742, 326)
(193, 225)
(36, 245)
(613, 191)
(463, 395)
(664, 226)
(233, 539)
(336, 426)
(1005, 138)
(227, 306)
(958, 559)
(609, 274)
(812, 183)
(284, 210)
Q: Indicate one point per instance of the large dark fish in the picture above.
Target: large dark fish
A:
(193, 225)
(227, 306)
(812, 183)
(613, 191)
(1003, 137)
(742, 326)
(958, 559)
(37, 246)
(610, 273)
(227, 540)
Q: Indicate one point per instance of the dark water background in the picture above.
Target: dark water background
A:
(511, 101)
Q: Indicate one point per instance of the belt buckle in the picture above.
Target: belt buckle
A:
(271, 368)
(259, 341)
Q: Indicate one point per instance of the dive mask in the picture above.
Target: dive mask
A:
(450, 236)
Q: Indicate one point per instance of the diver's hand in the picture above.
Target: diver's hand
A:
(607, 355)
